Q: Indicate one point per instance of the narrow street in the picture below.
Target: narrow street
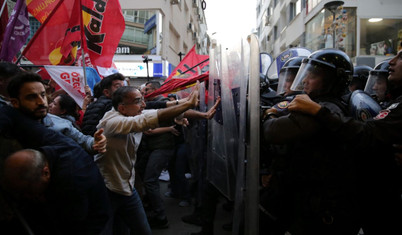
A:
(175, 212)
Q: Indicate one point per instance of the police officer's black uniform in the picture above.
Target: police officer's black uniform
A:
(318, 173)
(379, 177)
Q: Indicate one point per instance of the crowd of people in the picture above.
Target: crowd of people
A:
(95, 169)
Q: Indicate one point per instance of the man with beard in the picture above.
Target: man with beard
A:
(28, 95)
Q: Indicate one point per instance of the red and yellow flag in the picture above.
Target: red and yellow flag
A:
(96, 25)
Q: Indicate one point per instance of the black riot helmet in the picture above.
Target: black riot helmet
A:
(332, 66)
(264, 83)
(287, 75)
(360, 75)
(377, 84)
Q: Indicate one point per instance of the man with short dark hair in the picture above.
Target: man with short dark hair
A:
(7, 70)
(28, 95)
(97, 109)
(123, 127)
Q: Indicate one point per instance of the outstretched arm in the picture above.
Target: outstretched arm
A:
(194, 114)
(170, 113)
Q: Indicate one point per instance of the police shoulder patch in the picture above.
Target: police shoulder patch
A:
(283, 104)
(383, 113)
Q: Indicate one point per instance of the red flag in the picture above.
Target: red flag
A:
(46, 45)
(73, 34)
(56, 41)
(103, 27)
(185, 74)
(177, 84)
(190, 64)
(41, 9)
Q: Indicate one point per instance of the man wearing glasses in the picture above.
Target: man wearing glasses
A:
(123, 127)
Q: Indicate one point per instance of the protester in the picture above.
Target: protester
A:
(98, 108)
(27, 94)
(65, 107)
(123, 126)
(7, 70)
(59, 189)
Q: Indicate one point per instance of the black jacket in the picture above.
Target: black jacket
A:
(94, 114)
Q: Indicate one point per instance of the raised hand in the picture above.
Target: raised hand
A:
(211, 112)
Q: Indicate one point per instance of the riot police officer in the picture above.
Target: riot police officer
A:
(287, 74)
(377, 84)
(317, 173)
(360, 75)
(380, 178)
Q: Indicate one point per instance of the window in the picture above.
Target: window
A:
(34, 25)
(292, 11)
(319, 32)
(136, 16)
(135, 35)
(269, 11)
(380, 38)
(275, 32)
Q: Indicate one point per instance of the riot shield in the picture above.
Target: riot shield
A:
(228, 72)
(362, 106)
(230, 143)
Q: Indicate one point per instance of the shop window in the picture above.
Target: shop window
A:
(380, 38)
(320, 34)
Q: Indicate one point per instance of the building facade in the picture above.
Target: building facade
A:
(164, 31)
(367, 30)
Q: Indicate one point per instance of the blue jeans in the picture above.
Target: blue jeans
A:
(158, 160)
(131, 212)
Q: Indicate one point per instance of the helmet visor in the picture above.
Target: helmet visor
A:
(286, 78)
(309, 79)
(377, 86)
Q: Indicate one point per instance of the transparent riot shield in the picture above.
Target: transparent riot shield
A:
(252, 140)
(226, 73)
(233, 134)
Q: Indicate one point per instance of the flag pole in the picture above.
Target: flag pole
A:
(82, 46)
(194, 66)
(2, 7)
